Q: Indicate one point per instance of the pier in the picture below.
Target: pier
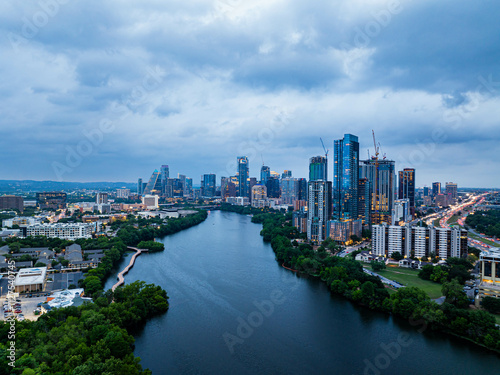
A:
(121, 279)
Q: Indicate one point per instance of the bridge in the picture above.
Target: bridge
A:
(121, 279)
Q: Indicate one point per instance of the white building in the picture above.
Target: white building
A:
(68, 231)
(122, 193)
(150, 201)
(30, 279)
(239, 201)
(21, 221)
(421, 241)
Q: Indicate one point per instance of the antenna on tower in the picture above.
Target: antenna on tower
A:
(262, 159)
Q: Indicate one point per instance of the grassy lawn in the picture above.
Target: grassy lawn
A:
(408, 277)
(436, 222)
(488, 242)
(453, 219)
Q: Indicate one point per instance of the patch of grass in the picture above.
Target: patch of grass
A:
(497, 317)
(453, 219)
(409, 277)
(436, 222)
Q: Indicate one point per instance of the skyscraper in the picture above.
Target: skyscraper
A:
(289, 190)
(265, 173)
(319, 209)
(364, 206)
(302, 189)
(164, 175)
(189, 186)
(382, 178)
(139, 186)
(436, 188)
(345, 177)
(273, 187)
(243, 175)
(318, 168)
(407, 187)
(452, 192)
(208, 185)
(286, 174)
(154, 184)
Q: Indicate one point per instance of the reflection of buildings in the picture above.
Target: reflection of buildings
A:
(489, 267)
(418, 241)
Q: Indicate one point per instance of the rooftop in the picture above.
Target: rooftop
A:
(29, 276)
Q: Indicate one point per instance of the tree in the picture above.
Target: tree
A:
(491, 304)
(377, 266)
(455, 294)
(397, 256)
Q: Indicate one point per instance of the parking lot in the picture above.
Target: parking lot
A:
(63, 280)
(28, 305)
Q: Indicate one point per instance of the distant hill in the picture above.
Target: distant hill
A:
(26, 186)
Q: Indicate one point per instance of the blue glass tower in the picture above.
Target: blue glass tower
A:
(346, 177)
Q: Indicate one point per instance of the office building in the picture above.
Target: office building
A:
(164, 176)
(302, 189)
(426, 191)
(489, 268)
(286, 174)
(11, 202)
(436, 188)
(265, 173)
(139, 186)
(53, 200)
(30, 280)
(318, 168)
(407, 187)
(401, 212)
(123, 193)
(299, 220)
(346, 178)
(150, 201)
(154, 184)
(382, 178)
(364, 206)
(289, 190)
(101, 198)
(341, 231)
(259, 194)
(227, 188)
(273, 187)
(452, 192)
(243, 175)
(188, 189)
(420, 242)
(442, 200)
(319, 209)
(208, 185)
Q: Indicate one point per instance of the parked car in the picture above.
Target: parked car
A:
(20, 317)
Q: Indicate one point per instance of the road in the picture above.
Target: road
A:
(385, 280)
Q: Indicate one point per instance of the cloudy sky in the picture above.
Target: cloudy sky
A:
(94, 91)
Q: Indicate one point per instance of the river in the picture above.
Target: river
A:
(234, 310)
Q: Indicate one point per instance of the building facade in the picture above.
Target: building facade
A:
(53, 200)
(11, 202)
(318, 168)
(346, 178)
(208, 185)
(407, 187)
(420, 242)
(65, 231)
(319, 209)
(243, 176)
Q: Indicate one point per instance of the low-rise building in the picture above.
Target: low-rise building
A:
(489, 267)
(30, 279)
(68, 231)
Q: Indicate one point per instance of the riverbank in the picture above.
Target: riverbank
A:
(345, 277)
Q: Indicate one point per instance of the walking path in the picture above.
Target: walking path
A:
(121, 280)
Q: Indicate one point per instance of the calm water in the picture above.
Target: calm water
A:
(216, 273)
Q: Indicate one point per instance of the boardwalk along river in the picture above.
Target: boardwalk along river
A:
(234, 310)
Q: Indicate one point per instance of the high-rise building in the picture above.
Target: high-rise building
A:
(122, 193)
(265, 173)
(228, 188)
(286, 174)
(364, 206)
(273, 187)
(319, 209)
(243, 175)
(401, 212)
(452, 192)
(11, 202)
(289, 190)
(53, 200)
(259, 193)
(182, 179)
(318, 168)
(302, 189)
(407, 187)
(345, 178)
(101, 198)
(341, 231)
(208, 185)
(154, 184)
(139, 186)
(426, 191)
(436, 188)
(420, 242)
(164, 176)
(382, 178)
(189, 186)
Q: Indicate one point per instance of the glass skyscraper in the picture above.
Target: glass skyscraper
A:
(346, 177)
(407, 187)
(243, 176)
(318, 168)
(265, 173)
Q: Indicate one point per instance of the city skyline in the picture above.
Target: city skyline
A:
(151, 90)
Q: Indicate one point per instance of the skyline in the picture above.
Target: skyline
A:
(196, 85)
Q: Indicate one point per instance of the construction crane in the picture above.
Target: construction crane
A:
(324, 148)
(377, 147)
